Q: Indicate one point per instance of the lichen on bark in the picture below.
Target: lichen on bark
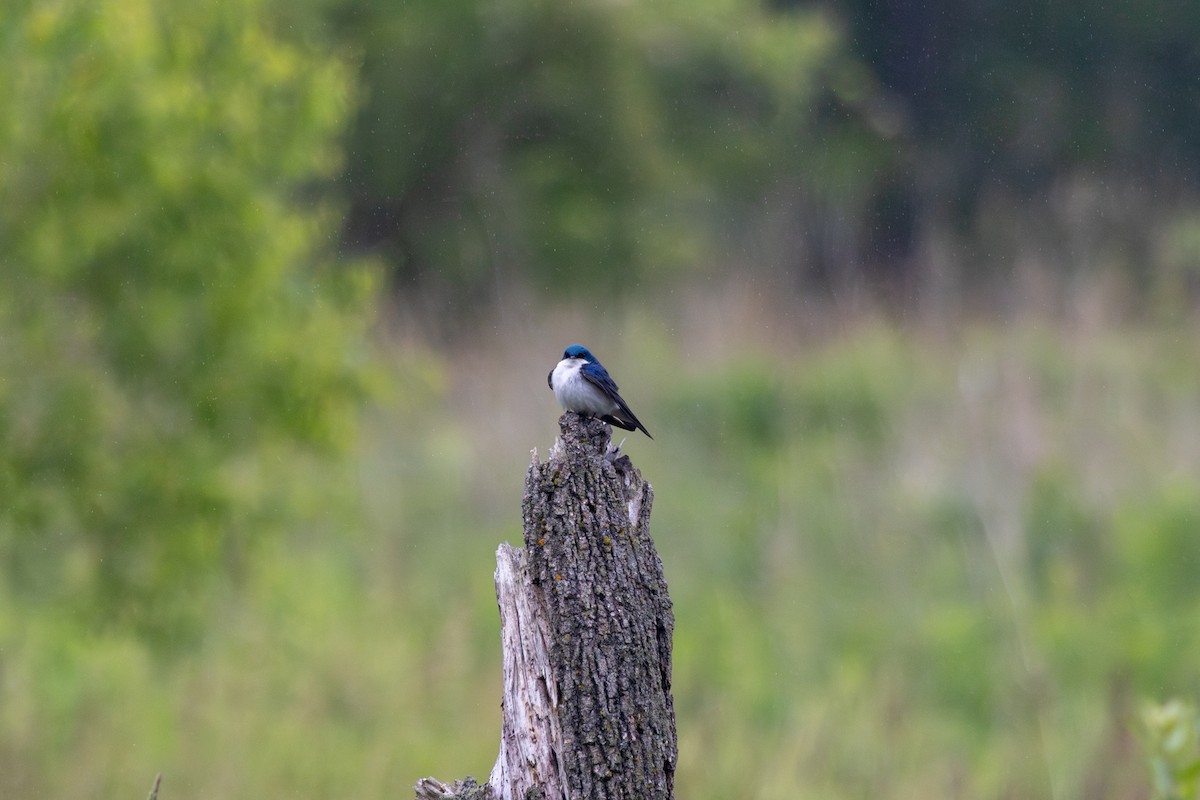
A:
(586, 627)
(587, 534)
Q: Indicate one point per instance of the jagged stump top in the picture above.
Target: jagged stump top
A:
(587, 512)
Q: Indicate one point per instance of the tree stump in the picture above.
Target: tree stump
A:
(586, 626)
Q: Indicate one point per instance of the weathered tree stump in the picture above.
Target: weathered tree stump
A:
(586, 628)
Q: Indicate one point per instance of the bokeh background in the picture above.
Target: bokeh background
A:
(906, 292)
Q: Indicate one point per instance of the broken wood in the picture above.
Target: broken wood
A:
(586, 627)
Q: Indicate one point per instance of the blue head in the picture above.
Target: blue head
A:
(579, 351)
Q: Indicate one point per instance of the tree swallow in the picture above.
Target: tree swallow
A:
(582, 385)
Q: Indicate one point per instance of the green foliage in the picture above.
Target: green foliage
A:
(579, 144)
(172, 336)
(901, 600)
(1172, 731)
(915, 562)
(836, 397)
(1065, 545)
(615, 145)
(1022, 91)
(900, 564)
(1162, 549)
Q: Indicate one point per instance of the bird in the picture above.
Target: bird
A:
(582, 384)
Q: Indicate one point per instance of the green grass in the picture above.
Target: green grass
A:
(903, 566)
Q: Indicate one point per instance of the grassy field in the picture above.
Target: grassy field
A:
(907, 562)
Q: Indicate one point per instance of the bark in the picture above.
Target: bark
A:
(586, 626)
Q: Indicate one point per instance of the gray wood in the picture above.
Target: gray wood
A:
(586, 627)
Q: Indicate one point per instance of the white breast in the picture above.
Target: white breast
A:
(574, 392)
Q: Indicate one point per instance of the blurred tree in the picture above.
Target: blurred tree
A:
(1002, 101)
(599, 143)
(576, 144)
(171, 336)
(1017, 91)
(1173, 745)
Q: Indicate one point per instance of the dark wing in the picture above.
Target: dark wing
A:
(549, 377)
(623, 418)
